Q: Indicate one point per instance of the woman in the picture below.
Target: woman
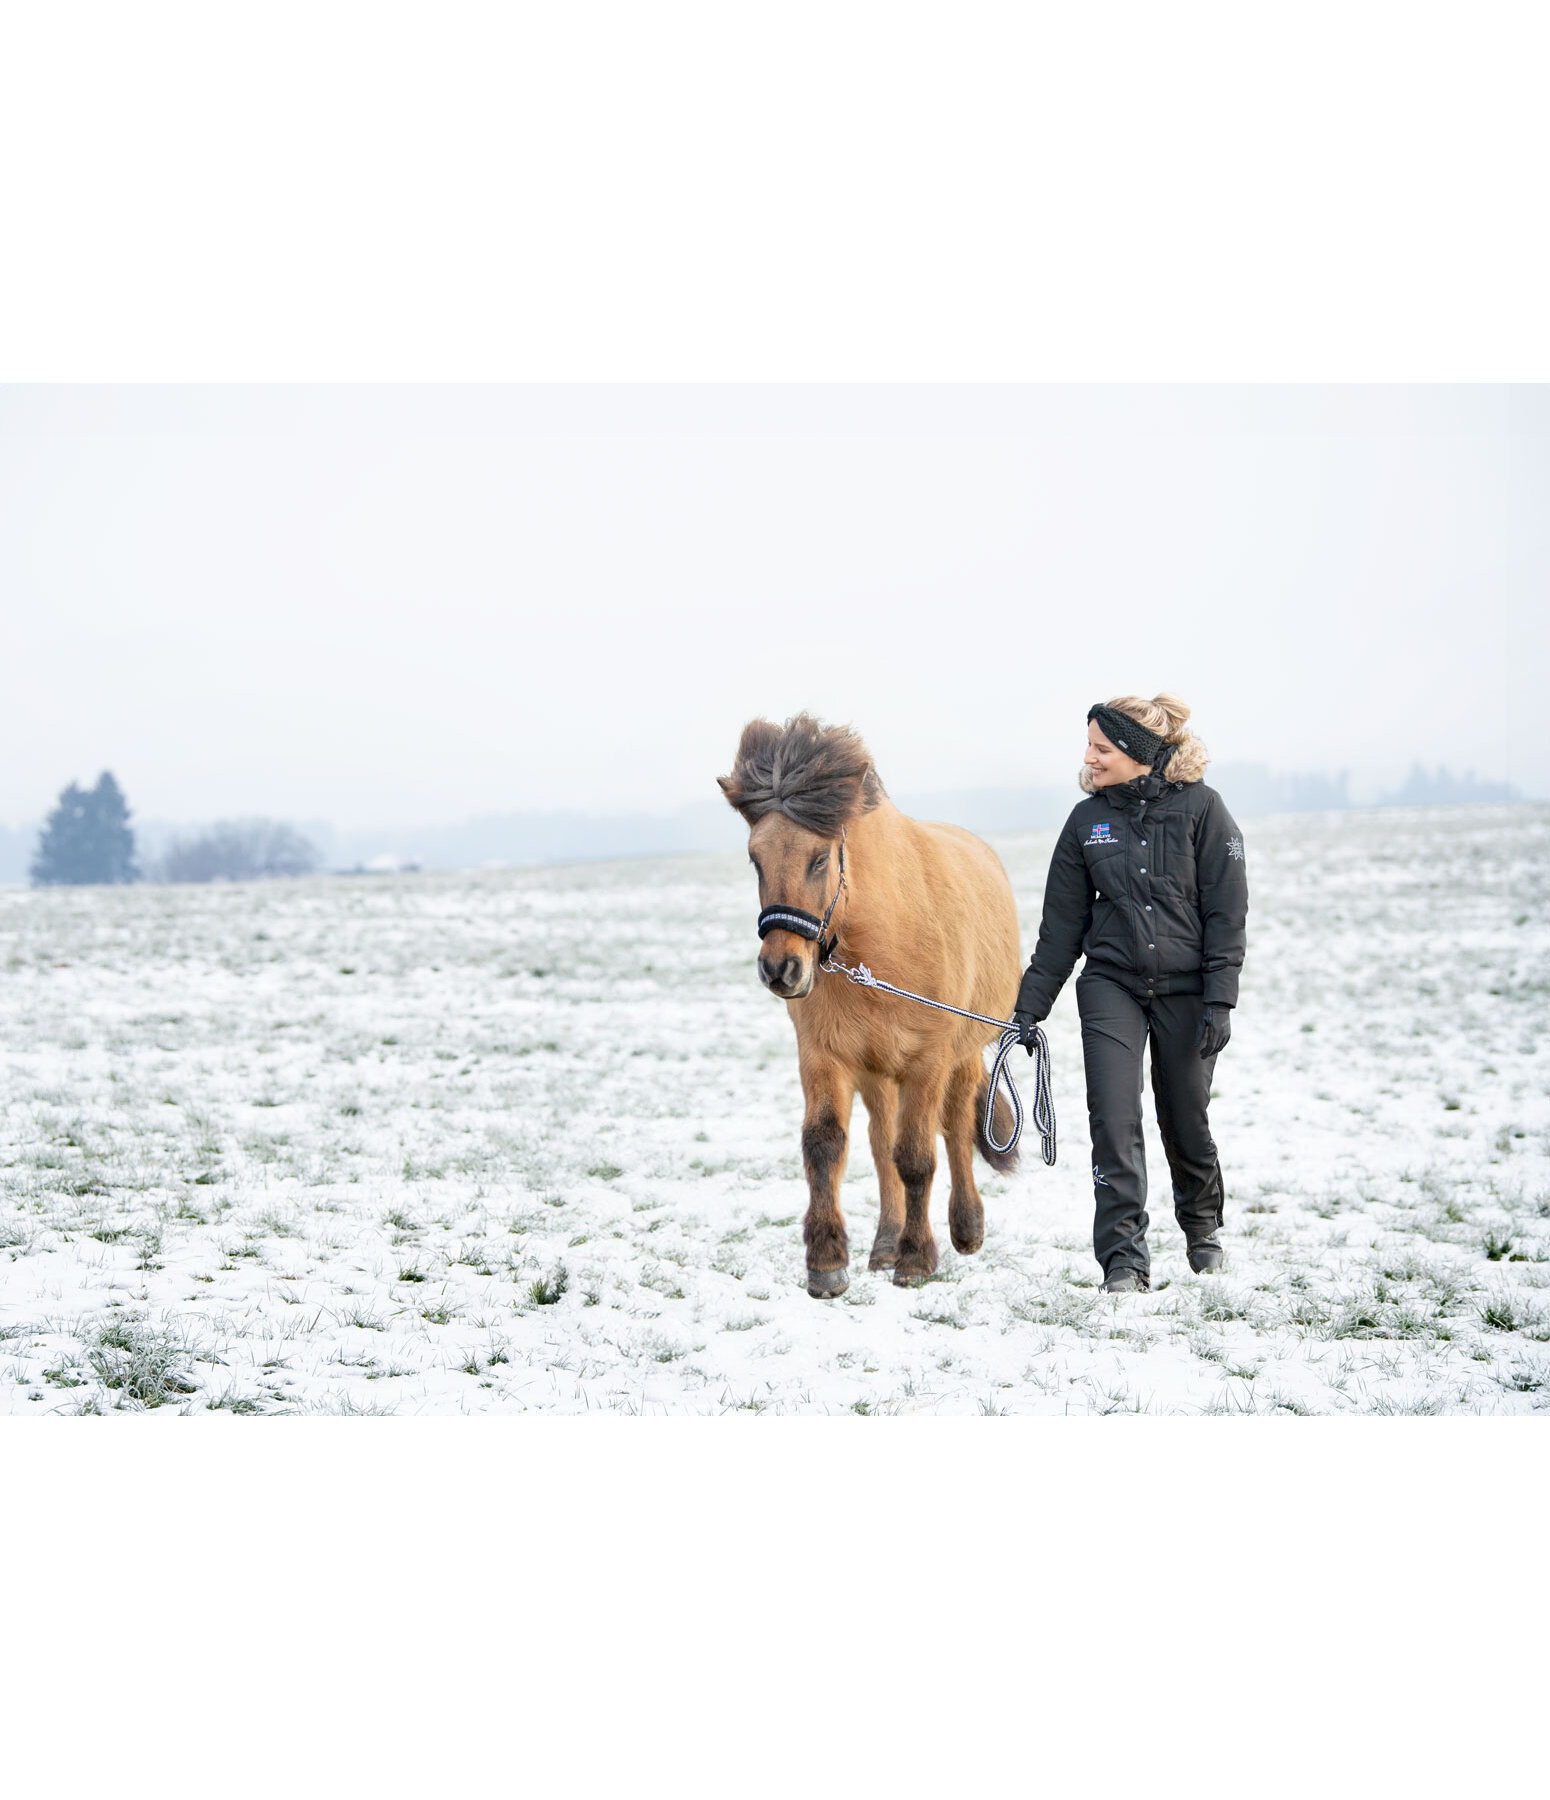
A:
(1148, 879)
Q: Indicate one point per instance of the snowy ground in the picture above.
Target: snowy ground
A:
(528, 1140)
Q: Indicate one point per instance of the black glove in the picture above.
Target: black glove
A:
(1215, 1029)
(1027, 1024)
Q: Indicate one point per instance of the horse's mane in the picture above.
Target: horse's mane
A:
(820, 776)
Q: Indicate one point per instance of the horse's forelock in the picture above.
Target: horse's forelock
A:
(819, 776)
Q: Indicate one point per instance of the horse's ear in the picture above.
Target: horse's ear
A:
(732, 788)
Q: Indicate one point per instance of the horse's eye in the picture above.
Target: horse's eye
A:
(820, 863)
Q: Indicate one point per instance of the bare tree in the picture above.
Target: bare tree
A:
(239, 850)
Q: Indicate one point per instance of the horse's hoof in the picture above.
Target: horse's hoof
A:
(827, 1284)
(966, 1224)
(883, 1256)
(917, 1263)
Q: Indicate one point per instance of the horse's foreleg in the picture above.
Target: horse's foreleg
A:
(914, 1156)
(829, 1091)
(965, 1209)
(882, 1104)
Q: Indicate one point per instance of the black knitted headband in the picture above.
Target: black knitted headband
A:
(1125, 734)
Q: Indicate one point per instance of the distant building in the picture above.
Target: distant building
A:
(387, 862)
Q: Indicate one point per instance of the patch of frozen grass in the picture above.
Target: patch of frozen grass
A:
(1505, 1313)
(143, 1366)
(350, 1405)
(1220, 1303)
(941, 1316)
(1057, 1307)
(362, 1317)
(1526, 1375)
(233, 1402)
(1409, 1405)
(548, 1290)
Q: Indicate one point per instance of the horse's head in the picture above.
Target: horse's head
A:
(799, 874)
(798, 786)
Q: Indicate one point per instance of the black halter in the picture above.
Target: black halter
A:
(806, 924)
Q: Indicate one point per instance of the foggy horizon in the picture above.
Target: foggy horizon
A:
(395, 608)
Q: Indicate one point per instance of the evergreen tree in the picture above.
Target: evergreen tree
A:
(86, 837)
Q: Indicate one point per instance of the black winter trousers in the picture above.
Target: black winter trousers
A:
(1116, 1027)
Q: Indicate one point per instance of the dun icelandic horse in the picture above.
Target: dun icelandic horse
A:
(927, 907)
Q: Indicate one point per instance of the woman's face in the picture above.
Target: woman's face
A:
(1105, 765)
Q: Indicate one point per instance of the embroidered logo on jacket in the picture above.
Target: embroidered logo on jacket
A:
(1102, 835)
(1235, 849)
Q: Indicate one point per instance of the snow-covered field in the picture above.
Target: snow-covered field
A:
(529, 1140)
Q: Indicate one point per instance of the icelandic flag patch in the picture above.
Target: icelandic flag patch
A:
(1102, 835)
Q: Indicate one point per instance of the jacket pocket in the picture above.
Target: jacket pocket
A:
(1177, 933)
(1109, 937)
(1106, 868)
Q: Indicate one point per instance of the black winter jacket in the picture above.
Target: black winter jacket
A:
(1148, 878)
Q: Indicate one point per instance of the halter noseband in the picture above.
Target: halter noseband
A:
(806, 924)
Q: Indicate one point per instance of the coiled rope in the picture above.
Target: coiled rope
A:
(1043, 1095)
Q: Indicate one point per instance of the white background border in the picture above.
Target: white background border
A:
(817, 192)
(1203, 190)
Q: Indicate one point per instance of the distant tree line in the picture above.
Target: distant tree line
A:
(1424, 787)
(238, 850)
(1250, 788)
(87, 838)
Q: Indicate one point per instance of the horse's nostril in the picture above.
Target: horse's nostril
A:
(784, 975)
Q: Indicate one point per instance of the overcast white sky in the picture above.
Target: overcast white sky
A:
(393, 606)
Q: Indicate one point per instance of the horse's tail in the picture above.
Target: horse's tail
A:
(1003, 1161)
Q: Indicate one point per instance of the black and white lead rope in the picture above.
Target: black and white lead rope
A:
(1043, 1096)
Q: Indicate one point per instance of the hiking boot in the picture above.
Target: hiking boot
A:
(1127, 1281)
(1205, 1257)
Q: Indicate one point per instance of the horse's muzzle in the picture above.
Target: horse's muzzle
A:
(787, 977)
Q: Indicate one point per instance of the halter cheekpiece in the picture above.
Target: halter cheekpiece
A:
(806, 924)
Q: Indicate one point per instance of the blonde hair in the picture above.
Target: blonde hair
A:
(1164, 715)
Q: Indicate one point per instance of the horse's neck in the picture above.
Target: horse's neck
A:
(881, 854)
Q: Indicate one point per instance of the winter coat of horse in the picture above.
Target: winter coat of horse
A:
(925, 906)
